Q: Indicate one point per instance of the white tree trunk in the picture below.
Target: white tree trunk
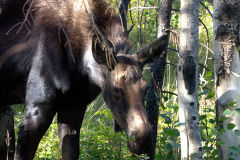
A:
(227, 68)
(188, 81)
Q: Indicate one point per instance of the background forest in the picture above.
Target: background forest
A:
(98, 140)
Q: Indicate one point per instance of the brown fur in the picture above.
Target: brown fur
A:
(70, 18)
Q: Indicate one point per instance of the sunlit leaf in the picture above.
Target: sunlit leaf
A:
(210, 95)
(208, 74)
(227, 112)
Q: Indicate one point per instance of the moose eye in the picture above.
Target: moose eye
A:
(116, 91)
(124, 77)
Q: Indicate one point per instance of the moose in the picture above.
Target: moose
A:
(57, 56)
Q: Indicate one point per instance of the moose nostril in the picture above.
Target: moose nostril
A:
(116, 91)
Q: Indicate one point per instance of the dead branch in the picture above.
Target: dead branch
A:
(206, 47)
(23, 23)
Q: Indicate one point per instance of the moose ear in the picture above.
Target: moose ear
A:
(152, 51)
(103, 54)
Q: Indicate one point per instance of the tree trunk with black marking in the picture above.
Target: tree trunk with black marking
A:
(188, 81)
(158, 69)
(226, 21)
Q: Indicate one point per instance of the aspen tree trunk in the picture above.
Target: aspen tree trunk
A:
(158, 69)
(226, 21)
(7, 136)
(188, 81)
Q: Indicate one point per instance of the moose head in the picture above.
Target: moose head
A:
(124, 88)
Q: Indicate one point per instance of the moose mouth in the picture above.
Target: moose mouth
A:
(142, 145)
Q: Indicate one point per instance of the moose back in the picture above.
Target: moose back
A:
(56, 56)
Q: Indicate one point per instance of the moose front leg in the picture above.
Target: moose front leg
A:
(69, 124)
(35, 123)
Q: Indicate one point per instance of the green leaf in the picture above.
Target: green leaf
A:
(214, 131)
(212, 121)
(165, 99)
(237, 132)
(156, 94)
(207, 137)
(232, 103)
(226, 112)
(202, 117)
(239, 48)
(166, 118)
(230, 126)
(174, 144)
(208, 74)
(210, 95)
(131, 139)
(169, 146)
(223, 118)
(215, 152)
(171, 132)
(233, 114)
(180, 124)
(237, 109)
(233, 149)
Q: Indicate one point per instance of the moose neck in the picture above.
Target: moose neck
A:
(92, 68)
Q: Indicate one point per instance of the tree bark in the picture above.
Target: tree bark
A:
(226, 20)
(7, 133)
(187, 80)
(158, 69)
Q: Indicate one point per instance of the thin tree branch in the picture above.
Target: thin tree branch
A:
(206, 87)
(172, 49)
(141, 36)
(205, 62)
(176, 10)
(130, 29)
(203, 66)
(169, 93)
(131, 15)
(206, 47)
(205, 28)
(172, 64)
(143, 8)
(206, 8)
